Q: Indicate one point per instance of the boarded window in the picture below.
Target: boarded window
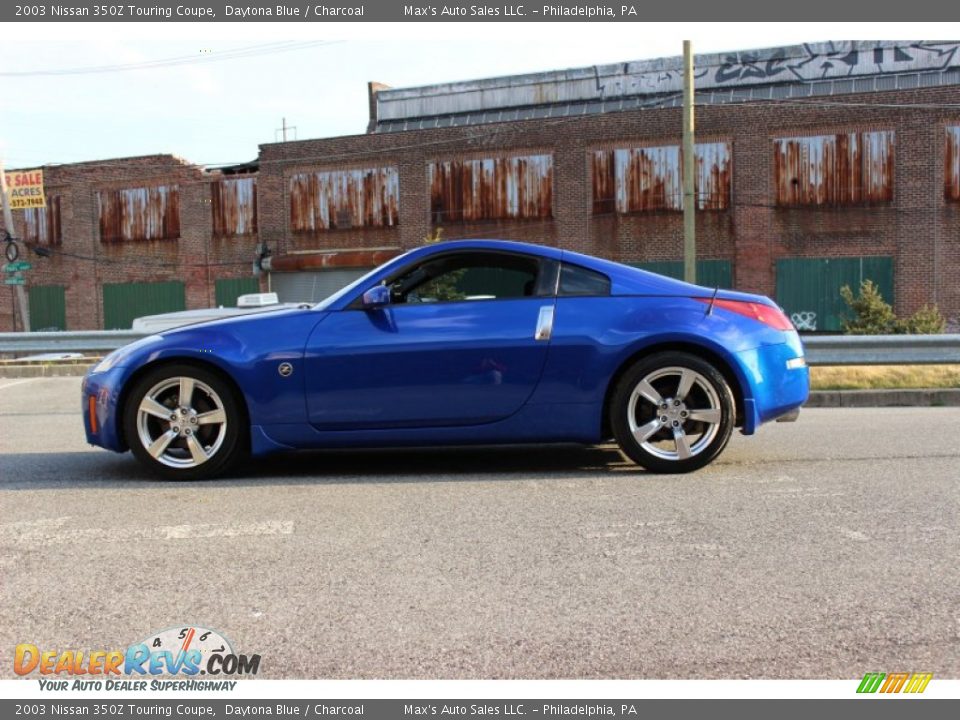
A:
(234, 205)
(952, 164)
(42, 225)
(628, 180)
(824, 170)
(150, 213)
(511, 188)
(344, 198)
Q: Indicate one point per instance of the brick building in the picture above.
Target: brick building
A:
(817, 165)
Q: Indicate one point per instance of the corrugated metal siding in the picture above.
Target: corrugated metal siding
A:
(42, 225)
(710, 273)
(312, 286)
(48, 307)
(844, 169)
(124, 302)
(627, 180)
(149, 213)
(344, 198)
(951, 175)
(227, 290)
(808, 289)
(234, 206)
(507, 188)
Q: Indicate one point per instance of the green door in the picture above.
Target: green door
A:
(710, 273)
(229, 289)
(808, 289)
(124, 302)
(48, 307)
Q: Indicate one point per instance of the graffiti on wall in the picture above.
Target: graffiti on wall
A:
(805, 63)
(804, 320)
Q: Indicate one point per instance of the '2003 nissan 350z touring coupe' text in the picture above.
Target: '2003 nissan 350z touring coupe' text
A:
(454, 343)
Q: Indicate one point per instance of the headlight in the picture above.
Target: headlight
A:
(121, 354)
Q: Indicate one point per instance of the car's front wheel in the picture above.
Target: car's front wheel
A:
(672, 412)
(184, 422)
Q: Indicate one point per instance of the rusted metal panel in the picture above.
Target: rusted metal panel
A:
(234, 206)
(337, 199)
(147, 213)
(951, 166)
(629, 180)
(333, 259)
(42, 225)
(504, 188)
(843, 169)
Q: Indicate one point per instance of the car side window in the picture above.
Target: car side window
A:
(468, 276)
(577, 280)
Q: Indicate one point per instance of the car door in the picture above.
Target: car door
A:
(463, 341)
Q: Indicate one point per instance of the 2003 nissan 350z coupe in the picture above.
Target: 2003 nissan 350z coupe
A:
(455, 343)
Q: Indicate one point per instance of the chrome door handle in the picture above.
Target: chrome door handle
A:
(544, 323)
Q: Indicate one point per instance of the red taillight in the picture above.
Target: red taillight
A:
(770, 316)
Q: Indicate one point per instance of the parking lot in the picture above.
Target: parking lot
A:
(826, 548)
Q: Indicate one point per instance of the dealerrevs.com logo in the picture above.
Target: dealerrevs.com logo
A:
(909, 683)
(172, 659)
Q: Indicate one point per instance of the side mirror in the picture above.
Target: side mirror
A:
(375, 297)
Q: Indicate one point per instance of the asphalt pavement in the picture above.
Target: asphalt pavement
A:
(825, 548)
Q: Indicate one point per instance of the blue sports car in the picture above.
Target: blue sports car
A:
(464, 342)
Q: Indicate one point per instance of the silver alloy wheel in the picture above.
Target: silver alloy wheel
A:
(674, 406)
(181, 422)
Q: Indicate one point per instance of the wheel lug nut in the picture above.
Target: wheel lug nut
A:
(188, 431)
(683, 413)
(173, 417)
(183, 411)
(676, 403)
(663, 418)
(176, 429)
(676, 423)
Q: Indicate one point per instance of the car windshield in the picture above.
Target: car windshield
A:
(356, 284)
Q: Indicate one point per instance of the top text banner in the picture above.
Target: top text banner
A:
(399, 11)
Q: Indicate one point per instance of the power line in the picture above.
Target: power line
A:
(241, 52)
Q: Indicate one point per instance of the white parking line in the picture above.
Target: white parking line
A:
(16, 382)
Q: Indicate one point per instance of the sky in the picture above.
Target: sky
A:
(232, 83)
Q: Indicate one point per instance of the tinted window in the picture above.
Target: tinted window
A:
(468, 276)
(576, 280)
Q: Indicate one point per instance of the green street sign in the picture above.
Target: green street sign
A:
(17, 266)
(15, 280)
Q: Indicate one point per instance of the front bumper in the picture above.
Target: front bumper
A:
(99, 402)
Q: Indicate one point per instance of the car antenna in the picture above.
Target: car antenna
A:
(713, 300)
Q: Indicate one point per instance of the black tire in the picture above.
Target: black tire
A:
(176, 455)
(698, 426)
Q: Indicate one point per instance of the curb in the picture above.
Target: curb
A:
(47, 369)
(884, 398)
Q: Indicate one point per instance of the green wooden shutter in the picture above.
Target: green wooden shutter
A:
(48, 307)
(229, 289)
(124, 302)
(808, 289)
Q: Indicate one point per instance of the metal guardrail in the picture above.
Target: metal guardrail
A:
(43, 342)
(882, 349)
(820, 349)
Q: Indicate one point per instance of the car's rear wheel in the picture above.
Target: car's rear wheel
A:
(672, 412)
(184, 422)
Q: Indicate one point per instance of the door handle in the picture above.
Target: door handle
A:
(544, 323)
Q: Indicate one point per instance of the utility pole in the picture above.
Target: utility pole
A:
(689, 169)
(282, 131)
(8, 224)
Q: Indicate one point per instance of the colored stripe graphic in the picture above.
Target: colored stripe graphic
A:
(870, 682)
(894, 682)
(918, 682)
